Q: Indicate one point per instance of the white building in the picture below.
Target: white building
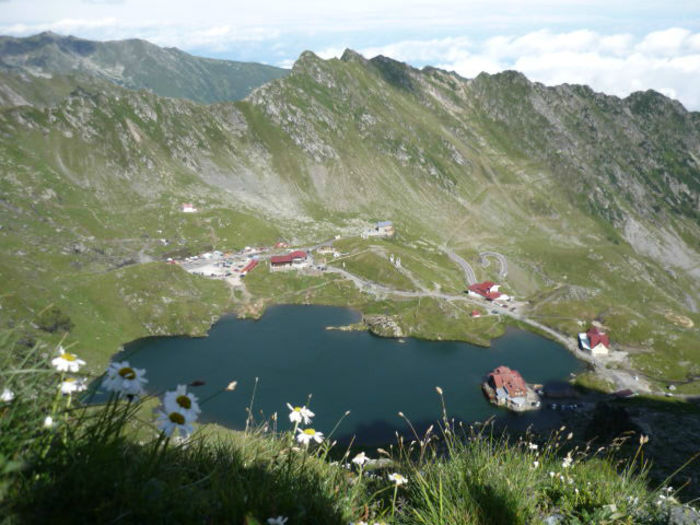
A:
(381, 229)
(594, 341)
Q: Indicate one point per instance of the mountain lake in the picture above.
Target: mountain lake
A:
(293, 356)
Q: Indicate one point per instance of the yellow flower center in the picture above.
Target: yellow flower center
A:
(309, 431)
(127, 373)
(184, 401)
(178, 418)
(70, 380)
(68, 356)
(297, 409)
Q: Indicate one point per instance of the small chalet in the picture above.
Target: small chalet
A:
(188, 207)
(475, 313)
(594, 341)
(295, 259)
(506, 387)
(488, 290)
(507, 383)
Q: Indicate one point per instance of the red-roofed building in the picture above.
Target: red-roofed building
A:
(487, 290)
(506, 381)
(248, 267)
(295, 259)
(475, 313)
(595, 341)
(596, 337)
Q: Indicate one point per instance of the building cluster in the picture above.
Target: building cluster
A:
(230, 266)
(594, 341)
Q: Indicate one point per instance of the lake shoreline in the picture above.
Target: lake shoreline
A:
(294, 354)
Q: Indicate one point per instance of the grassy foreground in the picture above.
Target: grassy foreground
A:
(61, 460)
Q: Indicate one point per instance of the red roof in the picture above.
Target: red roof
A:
(511, 380)
(484, 289)
(476, 313)
(287, 259)
(252, 264)
(596, 337)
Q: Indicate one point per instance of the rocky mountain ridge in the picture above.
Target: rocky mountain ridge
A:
(136, 64)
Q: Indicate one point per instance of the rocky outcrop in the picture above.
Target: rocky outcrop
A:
(384, 325)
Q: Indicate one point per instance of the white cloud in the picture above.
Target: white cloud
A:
(618, 64)
(664, 43)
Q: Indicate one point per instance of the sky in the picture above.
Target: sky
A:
(614, 46)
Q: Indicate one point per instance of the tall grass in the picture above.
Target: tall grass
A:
(109, 462)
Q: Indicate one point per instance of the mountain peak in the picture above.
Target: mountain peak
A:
(398, 74)
(49, 34)
(350, 55)
(306, 58)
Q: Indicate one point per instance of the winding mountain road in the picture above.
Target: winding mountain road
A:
(501, 259)
(469, 274)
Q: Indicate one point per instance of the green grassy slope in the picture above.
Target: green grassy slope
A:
(592, 204)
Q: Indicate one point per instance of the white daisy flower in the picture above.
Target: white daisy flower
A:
(48, 422)
(300, 414)
(7, 395)
(173, 421)
(123, 379)
(398, 479)
(532, 446)
(360, 459)
(279, 520)
(305, 436)
(72, 384)
(179, 400)
(66, 361)
(567, 462)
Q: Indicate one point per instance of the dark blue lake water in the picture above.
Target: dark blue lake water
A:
(293, 355)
